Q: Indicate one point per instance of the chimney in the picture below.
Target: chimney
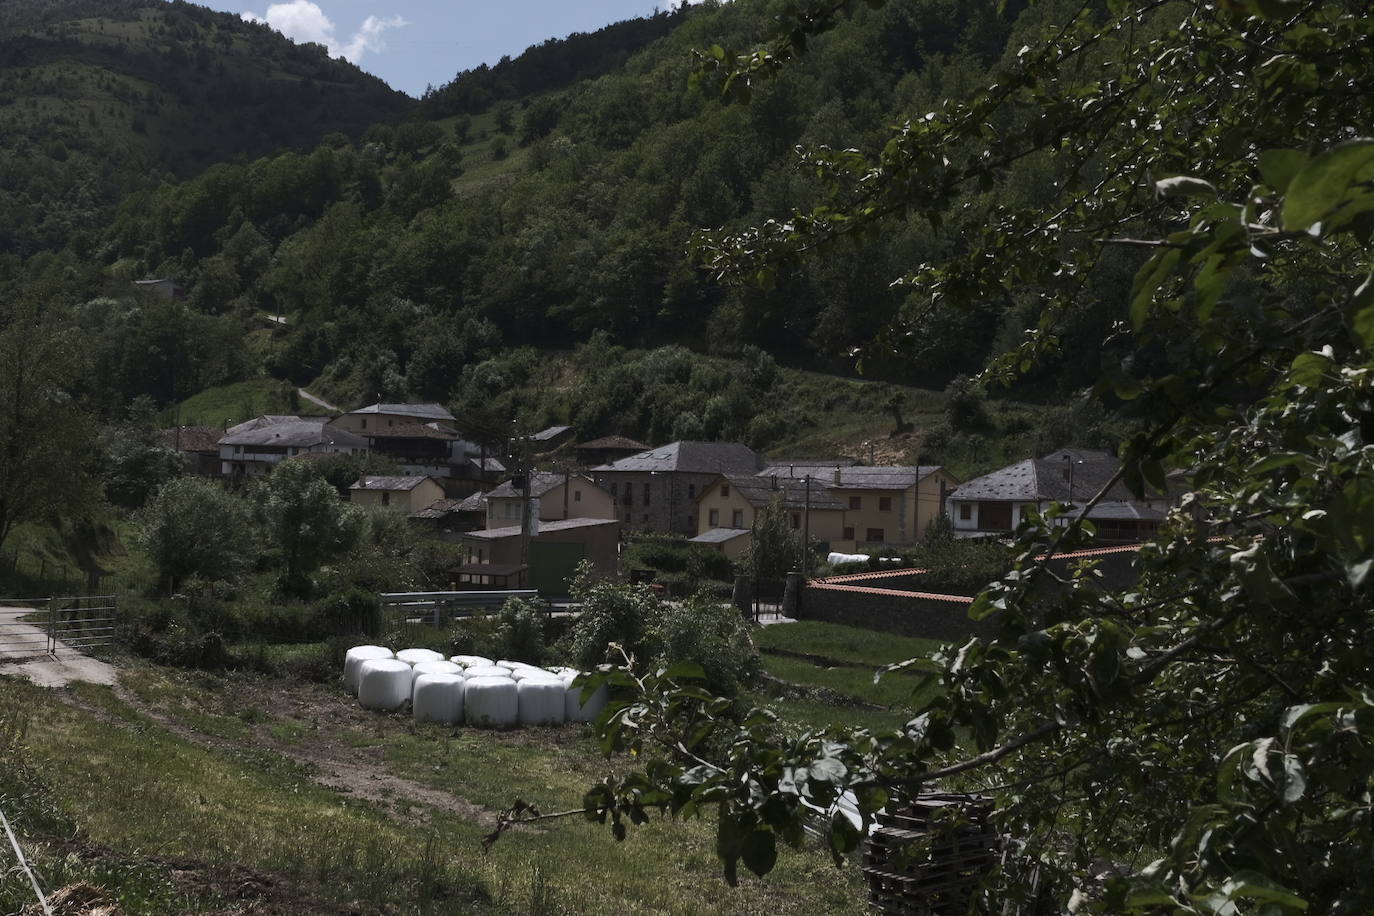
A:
(837, 475)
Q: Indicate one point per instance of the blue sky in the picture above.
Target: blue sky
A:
(414, 43)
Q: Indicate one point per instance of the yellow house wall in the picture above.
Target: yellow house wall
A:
(424, 493)
(725, 506)
(896, 521)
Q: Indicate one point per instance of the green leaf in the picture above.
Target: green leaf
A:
(827, 769)
(759, 851)
(1147, 280)
(1247, 885)
(685, 670)
(1278, 166)
(1362, 305)
(1308, 369)
(1331, 180)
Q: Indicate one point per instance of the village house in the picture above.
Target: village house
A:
(254, 447)
(400, 494)
(882, 505)
(607, 449)
(448, 518)
(731, 504)
(493, 555)
(995, 503)
(553, 496)
(198, 447)
(422, 440)
(657, 489)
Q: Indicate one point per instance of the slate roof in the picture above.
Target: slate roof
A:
(412, 431)
(718, 536)
(442, 507)
(1048, 478)
(421, 411)
(613, 443)
(295, 432)
(553, 432)
(859, 477)
(541, 482)
(759, 492)
(487, 464)
(692, 457)
(493, 534)
(387, 483)
(812, 465)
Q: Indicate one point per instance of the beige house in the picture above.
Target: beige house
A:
(733, 503)
(732, 542)
(403, 494)
(881, 505)
(558, 496)
(657, 489)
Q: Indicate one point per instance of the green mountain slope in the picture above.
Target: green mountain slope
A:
(552, 216)
(99, 98)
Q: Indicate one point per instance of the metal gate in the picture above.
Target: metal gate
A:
(31, 627)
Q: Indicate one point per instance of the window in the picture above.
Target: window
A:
(577, 496)
(856, 502)
(875, 535)
(737, 518)
(714, 518)
(796, 521)
(363, 421)
(691, 490)
(386, 498)
(644, 517)
(884, 503)
(849, 534)
(613, 489)
(966, 512)
(725, 489)
(646, 494)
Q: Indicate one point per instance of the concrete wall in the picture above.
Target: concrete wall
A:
(874, 607)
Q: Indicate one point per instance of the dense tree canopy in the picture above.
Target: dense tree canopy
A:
(1205, 732)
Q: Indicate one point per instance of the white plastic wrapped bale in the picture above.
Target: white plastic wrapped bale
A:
(487, 671)
(441, 667)
(438, 698)
(564, 671)
(472, 661)
(836, 557)
(513, 665)
(415, 656)
(520, 674)
(541, 701)
(384, 684)
(491, 702)
(353, 662)
(574, 710)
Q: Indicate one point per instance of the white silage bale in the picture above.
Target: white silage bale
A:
(491, 702)
(415, 656)
(487, 671)
(541, 701)
(520, 674)
(384, 684)
(353, 662)
(440, 667)
(438, 698)
(472, 661)
(564, 671)
(574, 710)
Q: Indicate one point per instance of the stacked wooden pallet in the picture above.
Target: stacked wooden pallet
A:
(930, 857)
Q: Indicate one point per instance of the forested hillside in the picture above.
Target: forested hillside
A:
(99, 97)
(542, 218)
(523, 241)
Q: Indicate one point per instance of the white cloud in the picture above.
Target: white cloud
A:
(302, 20)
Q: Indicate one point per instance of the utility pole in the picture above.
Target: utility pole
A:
(806, 527)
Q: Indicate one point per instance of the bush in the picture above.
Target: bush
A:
(515, 632)
(657, 633)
